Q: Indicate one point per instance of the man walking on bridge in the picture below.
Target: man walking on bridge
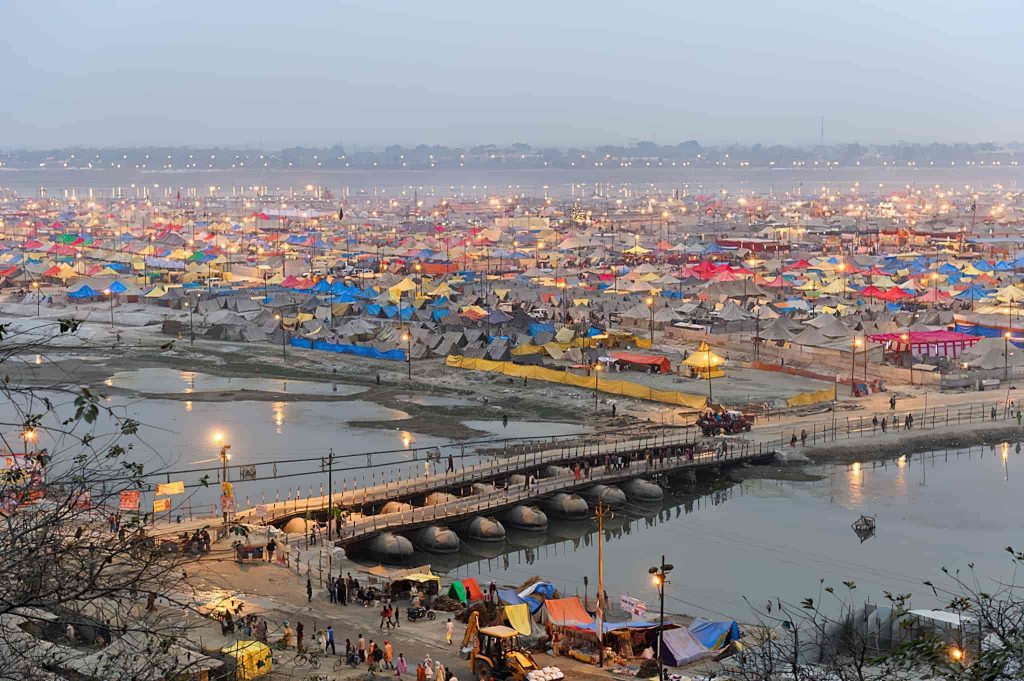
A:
(451, 465)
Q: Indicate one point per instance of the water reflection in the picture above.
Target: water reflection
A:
(280, 410)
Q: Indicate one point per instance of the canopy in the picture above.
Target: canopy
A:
(252, 658)
(566, 612)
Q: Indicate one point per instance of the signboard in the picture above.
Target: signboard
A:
(169, 488)
(227, 504)
(129, 500)
(247, 473)
(161, 505)
(262, 511)
(634, 606)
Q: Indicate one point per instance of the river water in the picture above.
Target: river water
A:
(764, 539)
(363, 183)
(757, 539)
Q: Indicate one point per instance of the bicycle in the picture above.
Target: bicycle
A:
(308, 658)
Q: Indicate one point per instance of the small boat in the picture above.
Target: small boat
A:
(864, 527)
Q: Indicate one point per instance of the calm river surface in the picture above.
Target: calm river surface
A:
(763, 539)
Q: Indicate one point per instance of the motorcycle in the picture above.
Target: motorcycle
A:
(419, 612)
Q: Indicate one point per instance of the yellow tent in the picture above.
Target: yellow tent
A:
(637, 250)
(518, 617)
(442, 290)
(252, 659)
(396, 291)
(703, 362)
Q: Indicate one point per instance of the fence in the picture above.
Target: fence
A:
(614, 387)
(836, 427)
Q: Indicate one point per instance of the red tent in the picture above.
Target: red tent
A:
(894, 294)
(660, 361)
(872, 292)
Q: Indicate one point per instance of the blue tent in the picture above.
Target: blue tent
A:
(714, 635)
(973, 292)
(322, 286)
(983, 266)
(948, 269)
(84, 291)
(438, 315)
(117, 287)
(540, 327)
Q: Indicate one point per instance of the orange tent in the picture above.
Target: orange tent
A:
(566, 612)
(660, 361)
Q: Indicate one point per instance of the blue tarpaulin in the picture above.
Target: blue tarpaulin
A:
(360, 350)
(714, 635)
(85, 291)
(540, 327)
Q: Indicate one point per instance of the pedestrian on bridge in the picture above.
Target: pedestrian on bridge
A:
(451, 464)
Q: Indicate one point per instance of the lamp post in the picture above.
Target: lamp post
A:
(191, 327)
(35, 285)
(419, 280)
(597, 382)
(284, 346)
(1006, 356)
(224, 456)
(407, 337)
(650, 305)
(110, 294)
(660, 576)
(853, 364)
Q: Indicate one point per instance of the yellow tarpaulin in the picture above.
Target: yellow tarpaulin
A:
(625, 388)
(519, 617)
(253, 659)
(807, 399)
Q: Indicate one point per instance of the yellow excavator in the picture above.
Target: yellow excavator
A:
(496, 652)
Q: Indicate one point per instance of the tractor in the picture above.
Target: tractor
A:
(729, 423)
(496, 652)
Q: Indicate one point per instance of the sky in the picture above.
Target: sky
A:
(559, 72)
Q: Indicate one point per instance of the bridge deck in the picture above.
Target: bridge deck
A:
(473, 505)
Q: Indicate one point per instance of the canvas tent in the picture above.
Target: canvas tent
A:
(252, 659)
(714, 635)
(681, 647)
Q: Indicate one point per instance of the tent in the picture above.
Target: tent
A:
(681, 647)
(566, 612)
(715, 635)
(704, 363)
(660, 361)
(466, 591)
(252, 659)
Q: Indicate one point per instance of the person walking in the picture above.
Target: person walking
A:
(271, 547)
(449, 630)
(330, 640)
(332, 591)
(361, 647)
(298, 637)
(309, 590)
(892, 403)
(388, 655)
(421, 672)
(342, 591)
(803, 437)
(401, 667)
(451, 465)
(993, 412)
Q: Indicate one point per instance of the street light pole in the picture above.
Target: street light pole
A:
(110, 294)
(1006, 356)
(853, 364)
(284, 347)
(35, 285)
(407, 337)
(650, 304)
(597, 382)
(224, 456)
(660, 574)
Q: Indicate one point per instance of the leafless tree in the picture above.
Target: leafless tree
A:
(75, 594)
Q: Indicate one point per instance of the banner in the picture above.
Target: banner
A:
(227, 504)
(634, 606)
(169, 488)
(161, 505)
(129, 500)
(261, 511)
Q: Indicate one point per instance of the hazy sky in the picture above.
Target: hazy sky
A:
(558, 72)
